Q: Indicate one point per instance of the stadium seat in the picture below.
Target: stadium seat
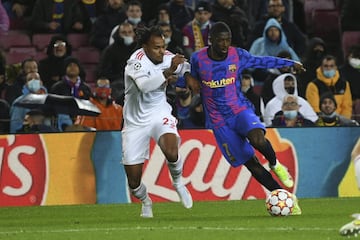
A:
(78, 40)
(16, 57)
(349, 38)
(326, 25)
(311, 5)
(91, 73)
(87, 55)
(14, 39)
(41, 40)
(30, 50)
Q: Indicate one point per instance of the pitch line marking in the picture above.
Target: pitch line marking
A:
(73, 230)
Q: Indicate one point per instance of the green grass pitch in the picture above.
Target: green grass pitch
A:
(230, 220)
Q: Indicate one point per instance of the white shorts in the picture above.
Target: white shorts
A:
(136, 139)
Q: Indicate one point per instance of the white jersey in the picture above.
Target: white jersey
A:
(145, 87)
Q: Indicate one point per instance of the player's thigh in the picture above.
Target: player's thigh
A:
(235, 148)
(135, 145)
(162, 123)
(246, 121)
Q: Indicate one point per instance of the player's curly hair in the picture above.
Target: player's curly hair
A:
(143, 34)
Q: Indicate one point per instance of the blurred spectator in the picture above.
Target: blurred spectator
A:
(315, 51)
(272, 42)
(113, 15)
(226, 11)
(289, 116)
(151, 9)
(33, 85)
(197, 115)
(113, 59)
(170, 40)
(19, 12)
(133, 16)
(14, 90)
(35, 122)
(4, 19)
(90, 10)
(57, 16)
(349, 15)
(4, 116)
(180, 13)
(270, 75)
(328, 79)
(51, 67)
(110, 117)
(73, 85)
(282, 86)
(328, 116)
(134, 13)
(3, 84)
(351, 72)
(196, 31)
(163, 17)
(294, 37)
(182, 104)
(247, 88)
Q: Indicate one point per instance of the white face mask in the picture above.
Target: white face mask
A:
(291, 114)
(34, 85)
(167, 41)
(128, 40)
(355, 63)
(134, 20)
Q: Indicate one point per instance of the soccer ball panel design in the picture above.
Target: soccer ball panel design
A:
(280, 203)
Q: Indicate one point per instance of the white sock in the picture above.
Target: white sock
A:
(141, 194)
(175, 169)
(357, 169)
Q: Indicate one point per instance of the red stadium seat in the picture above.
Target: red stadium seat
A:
(348, 39)
(311, 5)
(42, 40)
(29, 50)
(326, 25)
(14, 39)
(78, 40)
(87, 55)
(16, 57)
(91, 73)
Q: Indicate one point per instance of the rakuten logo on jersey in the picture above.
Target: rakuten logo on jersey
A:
(207, 174)
(22, 170)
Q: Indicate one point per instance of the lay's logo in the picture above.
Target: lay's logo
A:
(23, 170)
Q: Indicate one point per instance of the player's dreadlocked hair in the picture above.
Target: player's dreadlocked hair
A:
(143, 34)
(219, 27)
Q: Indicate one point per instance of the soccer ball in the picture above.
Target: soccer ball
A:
(280, 203)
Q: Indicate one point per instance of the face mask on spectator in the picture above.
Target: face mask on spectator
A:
(167, 40)
(34, 85)
(128, 40)
(134, 20)
(291, 114)
(329, 73)
(355, 63)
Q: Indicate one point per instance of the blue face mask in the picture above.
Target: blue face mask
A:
(34, 85)
(329, 73)
(290, 114)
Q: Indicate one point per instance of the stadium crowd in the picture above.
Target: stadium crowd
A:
(80, 48)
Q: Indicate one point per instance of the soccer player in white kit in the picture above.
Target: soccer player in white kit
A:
(148, 115)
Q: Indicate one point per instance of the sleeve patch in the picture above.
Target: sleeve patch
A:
(137, 66)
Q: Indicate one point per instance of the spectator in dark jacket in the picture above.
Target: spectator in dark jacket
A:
(113, 15)
(51, 16)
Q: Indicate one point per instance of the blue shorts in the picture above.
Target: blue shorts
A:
(231, 138)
